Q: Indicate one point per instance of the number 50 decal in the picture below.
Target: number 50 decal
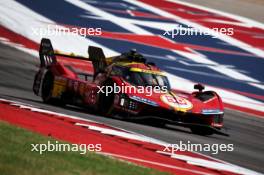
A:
(179, 103)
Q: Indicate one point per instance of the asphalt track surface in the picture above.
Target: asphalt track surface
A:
(17, 70)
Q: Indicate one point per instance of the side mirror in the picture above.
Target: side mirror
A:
(199, 87)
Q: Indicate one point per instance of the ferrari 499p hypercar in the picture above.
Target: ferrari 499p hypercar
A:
(125, 85)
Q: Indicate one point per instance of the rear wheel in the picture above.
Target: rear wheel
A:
(47, 87)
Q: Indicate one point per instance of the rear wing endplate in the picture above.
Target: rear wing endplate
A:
(46, 53)
(96, 55)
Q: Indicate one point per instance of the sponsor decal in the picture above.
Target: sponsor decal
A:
(212, 111)
(144, 100)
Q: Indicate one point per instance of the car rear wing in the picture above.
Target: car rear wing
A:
(48, 56)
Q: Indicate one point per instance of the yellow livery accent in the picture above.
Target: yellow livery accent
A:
(147, 71)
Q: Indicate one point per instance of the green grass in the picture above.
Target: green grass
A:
(16, 157)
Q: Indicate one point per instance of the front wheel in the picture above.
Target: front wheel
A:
(200, 130)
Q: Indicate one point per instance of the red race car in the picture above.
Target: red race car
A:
(125, 85)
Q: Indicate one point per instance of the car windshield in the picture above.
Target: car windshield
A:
(142, 78)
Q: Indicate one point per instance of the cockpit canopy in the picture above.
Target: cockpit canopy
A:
(141, 77)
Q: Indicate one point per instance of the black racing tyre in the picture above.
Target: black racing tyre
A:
(47, 87)
(105, 106)
(200, 130)
(36, 83)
